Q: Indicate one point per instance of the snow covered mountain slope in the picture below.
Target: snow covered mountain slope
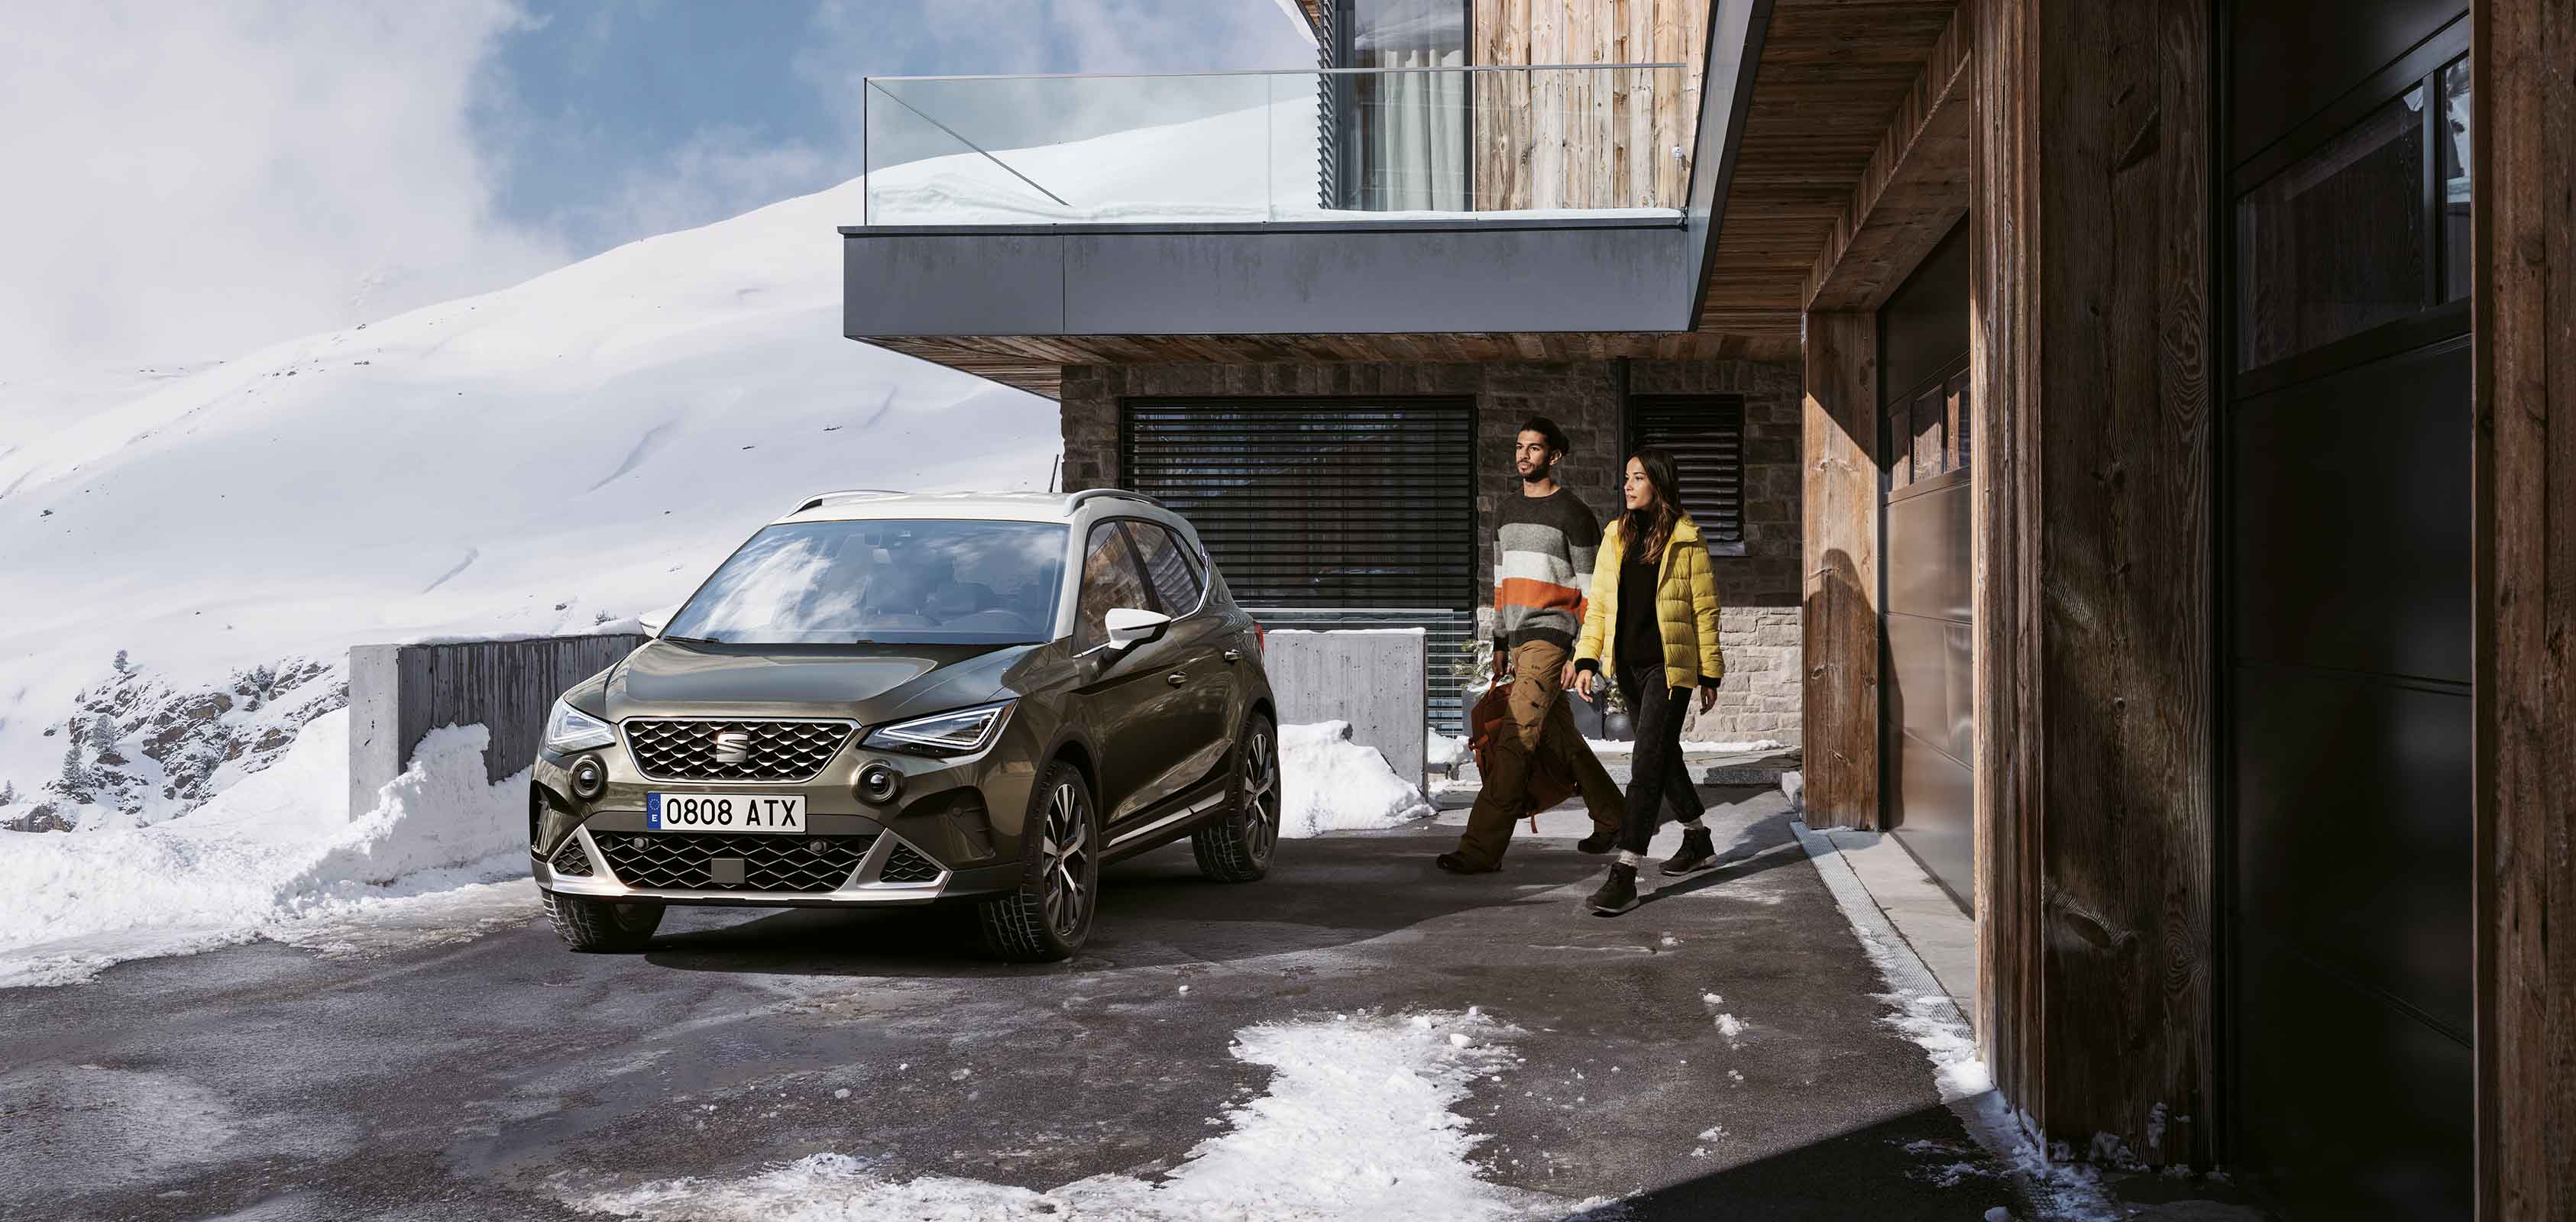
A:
(576, 449)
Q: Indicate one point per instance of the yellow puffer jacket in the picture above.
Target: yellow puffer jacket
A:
(1685, 604)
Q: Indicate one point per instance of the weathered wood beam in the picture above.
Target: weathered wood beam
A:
(1912, 192)
(1840, 544)
(2524, 134)
(2096, 790)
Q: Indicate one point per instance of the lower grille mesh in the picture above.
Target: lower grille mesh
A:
(569, 860)
(905, 866)
(679, 862)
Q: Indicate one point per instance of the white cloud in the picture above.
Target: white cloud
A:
(718, 172)
(191, 180)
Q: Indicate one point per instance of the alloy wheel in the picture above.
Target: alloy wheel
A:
(1261, 796)
(1065, 856)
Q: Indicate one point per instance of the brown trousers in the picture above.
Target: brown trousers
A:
(1546, 733)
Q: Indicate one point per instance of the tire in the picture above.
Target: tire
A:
(1048, 918)
(595, 926)
(1235, 846)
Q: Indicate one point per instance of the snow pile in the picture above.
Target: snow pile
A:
(1793, 785)
(1442, 751)
(1359, 1123)
(279, 847)
(1327, 783)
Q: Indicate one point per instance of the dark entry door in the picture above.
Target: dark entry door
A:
(2344, 527)
(1929, 732)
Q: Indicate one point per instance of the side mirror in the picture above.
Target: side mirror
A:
(1132, 626)
(655, 621)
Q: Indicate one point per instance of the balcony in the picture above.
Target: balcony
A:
(1299, 147)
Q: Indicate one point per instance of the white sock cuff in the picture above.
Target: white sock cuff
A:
(1627, 858)
(1694, 825)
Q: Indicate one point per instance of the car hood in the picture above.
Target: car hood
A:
(871, 683)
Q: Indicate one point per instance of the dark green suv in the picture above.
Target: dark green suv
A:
(885, 698)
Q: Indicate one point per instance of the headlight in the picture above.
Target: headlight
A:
(570, 729)
(963, 732)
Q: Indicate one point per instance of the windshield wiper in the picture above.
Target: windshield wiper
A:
(690, 640)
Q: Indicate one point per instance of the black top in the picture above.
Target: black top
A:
(1640, 643)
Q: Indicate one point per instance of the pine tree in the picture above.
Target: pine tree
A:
(8, 794)
(122, 665)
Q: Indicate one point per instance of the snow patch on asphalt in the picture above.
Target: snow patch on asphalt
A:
(276, 856)
(1359, 1123)
(1328, 783)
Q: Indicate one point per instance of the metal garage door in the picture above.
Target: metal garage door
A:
(1327, 512)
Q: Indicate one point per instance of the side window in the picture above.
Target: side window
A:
(1111, 577)
(1168, 562)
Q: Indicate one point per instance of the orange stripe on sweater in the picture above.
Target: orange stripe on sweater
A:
(1539, 595)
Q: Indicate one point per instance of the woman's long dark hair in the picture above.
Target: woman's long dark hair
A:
(1654, 524)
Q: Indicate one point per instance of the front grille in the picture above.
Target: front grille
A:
(682, 750)
(905, 866)
(569, 860)
(666, 861)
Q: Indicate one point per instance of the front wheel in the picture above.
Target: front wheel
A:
(1049, 916)
(1235, 846)
(602, 926)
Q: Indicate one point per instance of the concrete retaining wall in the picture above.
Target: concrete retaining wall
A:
(1374, 680)
(399, 693)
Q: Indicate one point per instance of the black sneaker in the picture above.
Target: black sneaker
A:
(1457, 863)
(1697, 854)
(1597, 843)
(1618, 892)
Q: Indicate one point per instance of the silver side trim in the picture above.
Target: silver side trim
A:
(1166, 821)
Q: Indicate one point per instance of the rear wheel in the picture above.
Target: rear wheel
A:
(1235, 846)
(602, 926)
(1049, 916)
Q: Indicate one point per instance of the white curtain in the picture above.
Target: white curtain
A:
(1413, 125)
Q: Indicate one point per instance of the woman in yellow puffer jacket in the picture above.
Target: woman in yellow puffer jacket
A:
(1652, 619)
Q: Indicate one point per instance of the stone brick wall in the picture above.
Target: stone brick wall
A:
(1759, 590)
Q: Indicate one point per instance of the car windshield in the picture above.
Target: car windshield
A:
(895, 582)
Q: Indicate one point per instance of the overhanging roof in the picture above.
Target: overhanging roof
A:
(1795, 97)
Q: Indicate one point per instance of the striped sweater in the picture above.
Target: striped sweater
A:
(1543, 553)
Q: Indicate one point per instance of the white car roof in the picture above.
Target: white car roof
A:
(861, 505)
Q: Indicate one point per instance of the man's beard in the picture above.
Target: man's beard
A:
(1538, 475)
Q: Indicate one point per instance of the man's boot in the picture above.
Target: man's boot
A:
(1698, 853)
(1602, 840)
(1618, 892)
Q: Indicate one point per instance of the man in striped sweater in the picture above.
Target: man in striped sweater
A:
(1545, 539)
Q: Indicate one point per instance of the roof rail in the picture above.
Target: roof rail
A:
(845, 492)
(1075, 501)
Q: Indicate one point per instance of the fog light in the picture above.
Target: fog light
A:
(878, 784)
(589, 779)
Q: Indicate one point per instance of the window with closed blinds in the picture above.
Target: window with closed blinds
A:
(1705, 435)
(1318, 503)
(1327, 513)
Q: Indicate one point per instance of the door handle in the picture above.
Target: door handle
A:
(1176, 678)
(1234, 655)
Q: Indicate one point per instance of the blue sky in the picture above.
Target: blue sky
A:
(193, 180)
(617, 120)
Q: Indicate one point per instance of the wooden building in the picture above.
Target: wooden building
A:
(2136, 421)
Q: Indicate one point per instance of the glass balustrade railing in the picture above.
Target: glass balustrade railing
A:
(1355, 144)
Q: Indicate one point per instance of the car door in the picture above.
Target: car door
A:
(1122, 692)
(1193, 720)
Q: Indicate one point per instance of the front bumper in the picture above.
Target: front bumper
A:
(953, 831)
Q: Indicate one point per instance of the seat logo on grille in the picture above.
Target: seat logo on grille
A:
(733, 746)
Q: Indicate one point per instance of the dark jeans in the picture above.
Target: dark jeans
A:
(1657, 775)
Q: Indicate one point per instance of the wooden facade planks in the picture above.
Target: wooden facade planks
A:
(1839, 537)
(1831, 74)
(1912, 192)
(2095, 632)
(1585, 139)
(2525, 311)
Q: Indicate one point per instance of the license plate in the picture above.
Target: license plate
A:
(724, 812)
